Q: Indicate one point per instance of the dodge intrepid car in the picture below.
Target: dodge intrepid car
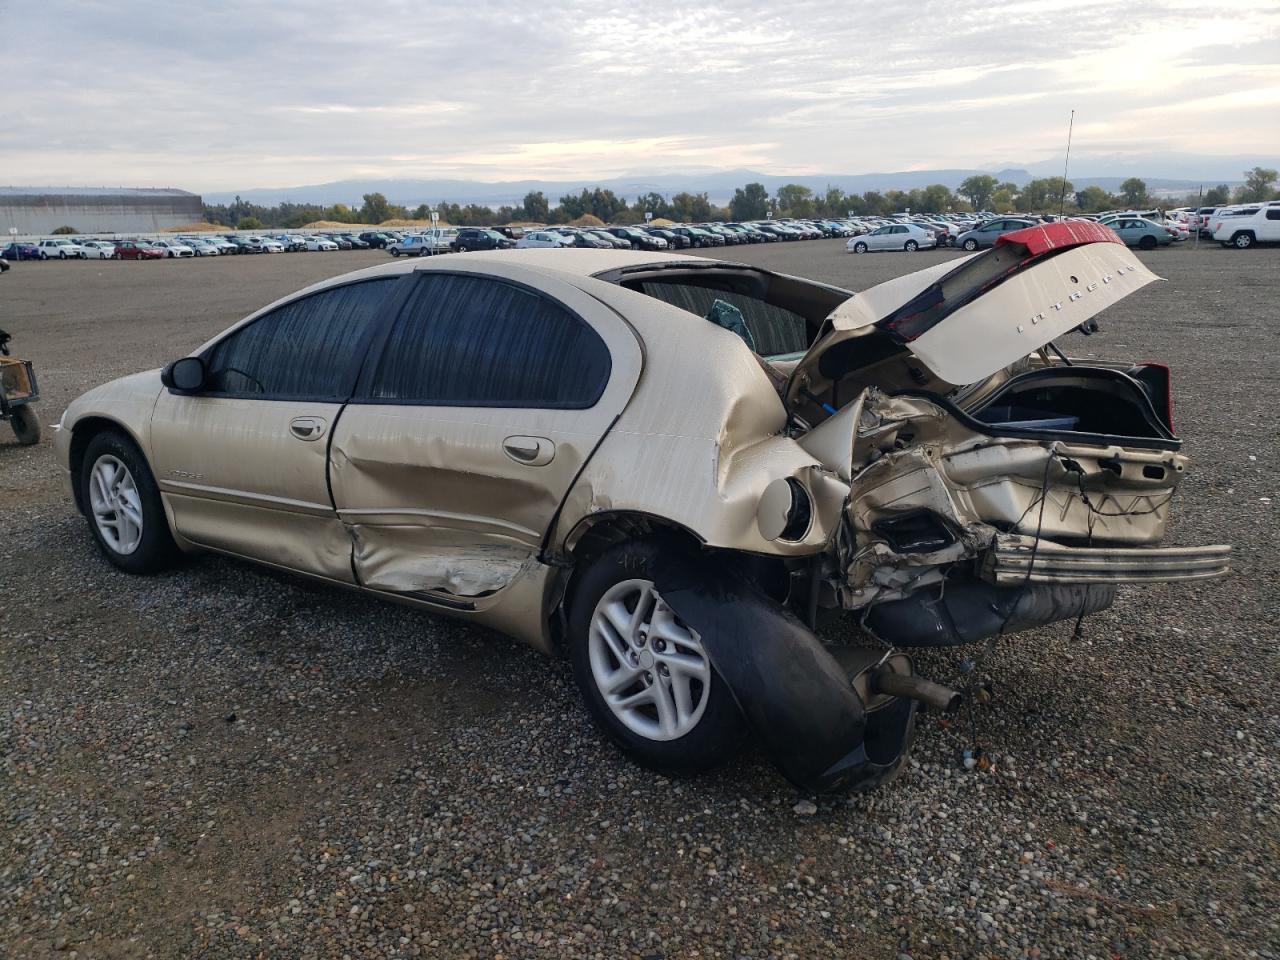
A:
(671, 470)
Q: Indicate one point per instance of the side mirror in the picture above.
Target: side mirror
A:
(186, 374)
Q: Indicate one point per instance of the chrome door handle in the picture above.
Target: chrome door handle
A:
(531, 451)
(307, 428)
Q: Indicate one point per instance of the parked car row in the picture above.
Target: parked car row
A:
(1239, 226)
(188, 246)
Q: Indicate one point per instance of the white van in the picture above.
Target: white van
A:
(1243, 226)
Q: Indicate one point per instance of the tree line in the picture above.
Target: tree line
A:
(979, 192)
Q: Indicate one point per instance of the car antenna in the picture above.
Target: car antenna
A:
(1062, 198)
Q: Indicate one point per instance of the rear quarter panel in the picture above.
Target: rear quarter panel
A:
(700, 439)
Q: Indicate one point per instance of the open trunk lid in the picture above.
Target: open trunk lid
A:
(966, 319)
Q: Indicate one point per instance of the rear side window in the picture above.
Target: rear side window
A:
(776, 331)
(464, 341)
(301, 351)
(1273, 213)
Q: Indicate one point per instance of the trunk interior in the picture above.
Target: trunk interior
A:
(1078, 404)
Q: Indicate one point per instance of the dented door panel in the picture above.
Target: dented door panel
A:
(453, 502)
(433, 502)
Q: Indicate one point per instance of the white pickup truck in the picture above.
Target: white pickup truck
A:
(1246, 224)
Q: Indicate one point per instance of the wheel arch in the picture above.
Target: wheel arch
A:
(591, 537)
(600, 532)
(82, 434)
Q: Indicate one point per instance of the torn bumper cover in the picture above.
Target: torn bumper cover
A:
(796, 695)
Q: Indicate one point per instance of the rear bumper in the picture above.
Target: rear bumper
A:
(1014, 560)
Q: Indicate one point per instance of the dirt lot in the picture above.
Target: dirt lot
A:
(221, 762)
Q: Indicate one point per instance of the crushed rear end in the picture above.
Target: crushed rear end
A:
(978, 481)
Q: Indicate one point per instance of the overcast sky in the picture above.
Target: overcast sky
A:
(222, 95)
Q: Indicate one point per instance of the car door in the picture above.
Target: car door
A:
(469, 424)
(987, 234)
(241, 463)
(1268, 226)
(1129, 230)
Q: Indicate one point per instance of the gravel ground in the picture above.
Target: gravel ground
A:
(222, 762)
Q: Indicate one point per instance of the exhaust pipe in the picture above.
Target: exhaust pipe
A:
(912, 687)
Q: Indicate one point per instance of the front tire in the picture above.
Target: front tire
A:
(26, 425)
(859, 248)
(122, 504)
(645, 678)
(970, 244)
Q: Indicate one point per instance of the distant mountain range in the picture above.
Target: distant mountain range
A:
(1163, 173)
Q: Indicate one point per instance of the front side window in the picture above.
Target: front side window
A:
(464, 341)
(301, 351)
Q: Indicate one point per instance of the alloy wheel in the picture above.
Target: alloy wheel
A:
(649, 667)
(115, 504)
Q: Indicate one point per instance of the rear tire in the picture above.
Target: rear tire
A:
(1242, 240)
(115, 503)
(703, 725)
(26, 425)
(911, 246)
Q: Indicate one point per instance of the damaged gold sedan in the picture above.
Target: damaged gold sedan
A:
(671, 470)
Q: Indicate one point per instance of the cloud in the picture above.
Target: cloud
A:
(239, 94)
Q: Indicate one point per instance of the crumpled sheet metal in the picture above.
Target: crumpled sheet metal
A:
(697, 452)
(791, 690)
(387, 560)
(971, 478)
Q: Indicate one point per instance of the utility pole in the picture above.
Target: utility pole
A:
(1062, 200)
